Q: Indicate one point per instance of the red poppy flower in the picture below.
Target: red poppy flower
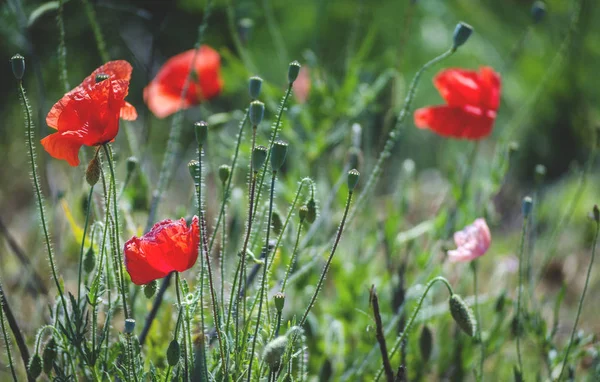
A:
(472, 101)
(163, 94)
(89, 114)
(169, 246)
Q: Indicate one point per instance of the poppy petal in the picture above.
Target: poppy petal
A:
(63, 147)
(128, 112)
(160, 102)
(457, 122)
(139, 268)
(117, 70)
(458, 87)
(490, 87)
(55, 112)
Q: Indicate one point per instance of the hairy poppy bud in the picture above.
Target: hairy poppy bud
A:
(194, 168)
(201, 129)
(426, 343)
(18, 66)
(273, 352)
(353, 176)
(462, 315)
(312, 211)
(254, 86)
(596, 213)
(92, 174)
(224, 171)
(259, 155)
(526, 206)
(132, 163)
(276, 223)
(129, 325)
(35, 366)
(293, 71)
(303, 213)
(538, 11)
(173, 353)
(278, 153)
(101, 77)
(89, 261)
(49, 356)
(256, 112)
(150, 289)
(279, 299)
(462, 32)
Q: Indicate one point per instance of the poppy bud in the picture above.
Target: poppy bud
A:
(596, 213)
(462, 32)
(462, 315)
(150, 289)
(312, 211)
(500, 302)
(426, 343)
(194, 168)
(540, 173)
(254, 86)
(538, 11)
(526, 206)
(129, 325)
(173, 353)
(273, 352)
(101, 77)
(92, 174)
(276, 223)
(279, 299)
(132, 163)
(18, 66)
(89, 261)
(256, 112)
(35, 366)
(201, 129)
(49, 356)
(293, 71)
(224, 171)
(278, 153)
(303, 213)
(353, 176)
(259, 155)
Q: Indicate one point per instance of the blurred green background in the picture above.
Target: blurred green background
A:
(360, 55)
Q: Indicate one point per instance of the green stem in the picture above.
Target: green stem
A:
(519, 293)
(222, 262)
(412, 318)
(85, 227)
(62, 48)
(394, 134)
(6, 339)
(180, 305)
(101, 44)
(293, 259)
(474, 268)
(326, 268)
(580, 306)
(264, 275)
(451, 222)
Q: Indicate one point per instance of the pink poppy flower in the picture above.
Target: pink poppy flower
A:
(472, 242)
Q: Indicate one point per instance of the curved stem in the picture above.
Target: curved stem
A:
(412, 318)
(580, 306)
(293, 259)
(6, 338)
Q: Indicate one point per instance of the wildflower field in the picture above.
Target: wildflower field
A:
(220, 190)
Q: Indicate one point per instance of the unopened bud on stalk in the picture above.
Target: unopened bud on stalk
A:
(150, 289)
(255, 86)
(526, 206)
(49, 356)
(194, 168)
(293, 71)
(274, 351)
(276, 223)
(18, 66)
(312, 211)
(224, 171)
(129, 325)
(279, 299)
(173, 353)
(353, 176)
(462, 315)
(278, 153)
(92, 174)
(259, 156)
(256, 112)
(596, 214)
(35, 366)
(538, 11)
(201, 129)
(89, 261)
(303, 213)
(132, 163)
(462, 32)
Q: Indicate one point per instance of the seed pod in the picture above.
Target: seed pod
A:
(279, 299)
(194, 168)
(293, 71)
(463, 315)
(462, 32)
(353, 176)
(18, 66)
(173, 353)
(129, 325)
(259, 155)
(273, 352)
(201, 129)
(132, 163)
(538, 11)
(278, 154)
(256, 112)
(526, 206)
(254, 86)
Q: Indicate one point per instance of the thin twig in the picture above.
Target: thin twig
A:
(387, 367)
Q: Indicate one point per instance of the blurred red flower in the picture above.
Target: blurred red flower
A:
(89, 114)
(472, 101)
(163, 94)
(169, 246)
